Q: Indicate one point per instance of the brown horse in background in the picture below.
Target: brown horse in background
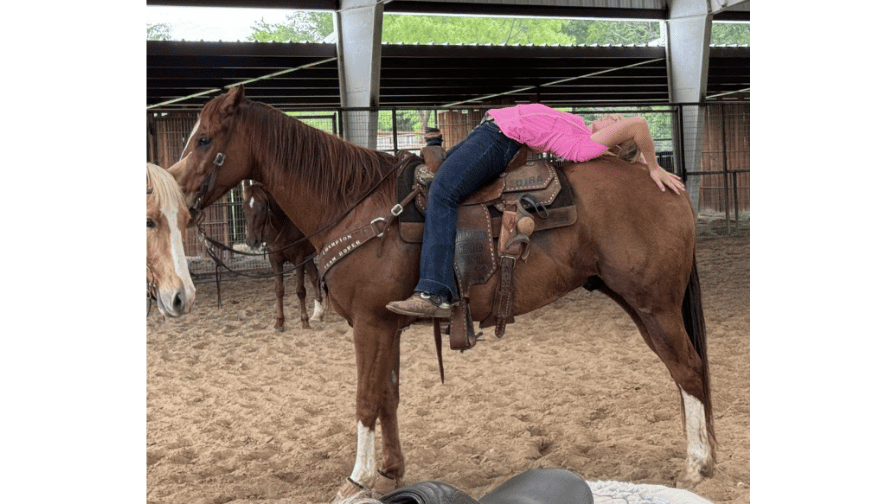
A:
(167, 275)
(267, 223)
(631, 241)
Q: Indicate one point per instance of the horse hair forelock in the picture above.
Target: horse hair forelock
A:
(293, 154)
(164, 187)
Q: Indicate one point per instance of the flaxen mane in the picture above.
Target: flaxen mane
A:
(161, 186)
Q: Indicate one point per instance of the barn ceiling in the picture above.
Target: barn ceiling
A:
(183, 76)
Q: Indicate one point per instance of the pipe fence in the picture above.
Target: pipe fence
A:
(720, 185)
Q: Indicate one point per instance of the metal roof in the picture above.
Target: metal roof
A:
(302, 76)
(183, 76)
(627, 9)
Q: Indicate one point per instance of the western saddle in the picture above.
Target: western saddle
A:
(494, 227)
(493, 230)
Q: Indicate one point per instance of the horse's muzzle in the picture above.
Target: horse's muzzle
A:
(175, 303)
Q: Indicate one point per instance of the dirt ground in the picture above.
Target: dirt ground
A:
(238, 412)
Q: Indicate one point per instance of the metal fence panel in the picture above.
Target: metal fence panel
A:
(723, 177)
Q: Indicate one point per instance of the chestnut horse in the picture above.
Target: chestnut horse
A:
(267, 223)
(167, 276)
(631, 241)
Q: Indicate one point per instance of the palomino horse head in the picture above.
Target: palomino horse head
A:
(210, 165)
(257, 209)
(166, 226)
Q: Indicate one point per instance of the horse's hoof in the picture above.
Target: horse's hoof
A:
(306, 325)
(384, 485)
(690, 477)
(279, 327)
(349, 492)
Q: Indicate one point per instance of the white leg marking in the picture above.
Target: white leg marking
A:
(318, 311)
(365, 461)
(252, 202)
(699, 450)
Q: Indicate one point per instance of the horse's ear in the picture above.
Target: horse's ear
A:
(233, 99)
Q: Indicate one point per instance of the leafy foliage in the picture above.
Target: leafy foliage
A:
(613, 32)
(301, 26)
(158, 31)
(404, 29)
(730, 34)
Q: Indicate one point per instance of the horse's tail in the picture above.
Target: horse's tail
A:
(695, 325)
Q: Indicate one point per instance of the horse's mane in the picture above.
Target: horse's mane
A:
(165, 189)
(339, 172)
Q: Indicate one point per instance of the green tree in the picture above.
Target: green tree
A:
(612, 32)
(730, 34)
(404, 29)
(301, 26)
(158, 31)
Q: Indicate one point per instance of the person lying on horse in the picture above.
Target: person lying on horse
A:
(484, 154)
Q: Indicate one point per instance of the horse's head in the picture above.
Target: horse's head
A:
(167, 273)
(215, 158)
(256, 208)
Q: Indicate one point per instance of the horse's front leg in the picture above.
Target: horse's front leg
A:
(376, 339)
(300, 293)
(392, 470)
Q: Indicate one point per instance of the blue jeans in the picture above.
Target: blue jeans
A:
(478, 159)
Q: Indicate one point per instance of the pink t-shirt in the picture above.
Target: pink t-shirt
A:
(562, 133)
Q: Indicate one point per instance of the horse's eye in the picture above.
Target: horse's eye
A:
(150, 223)
(204, 140)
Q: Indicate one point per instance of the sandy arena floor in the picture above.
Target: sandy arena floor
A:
(238, 412)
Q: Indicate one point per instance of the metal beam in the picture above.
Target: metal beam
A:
(359, 28)
(687, 44)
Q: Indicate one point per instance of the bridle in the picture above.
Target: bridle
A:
(151, 286)
(198, 216)
(151, 289)
(206, 185)
(208, 182)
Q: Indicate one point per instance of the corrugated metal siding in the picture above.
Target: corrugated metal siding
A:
(585, 4)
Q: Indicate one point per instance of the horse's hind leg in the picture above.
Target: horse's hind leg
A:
(667, 336)
(314, 278)
(302, 293)
(665, 333)
(277, 266)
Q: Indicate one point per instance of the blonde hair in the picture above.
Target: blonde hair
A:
(626, 151)
(161, 186)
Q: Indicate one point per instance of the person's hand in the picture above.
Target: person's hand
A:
(664, 179)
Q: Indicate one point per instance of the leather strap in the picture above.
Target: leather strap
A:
(345, 244)
(437, 335)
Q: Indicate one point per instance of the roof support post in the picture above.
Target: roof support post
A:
(359, 25)
(687, 52)
(687, 33)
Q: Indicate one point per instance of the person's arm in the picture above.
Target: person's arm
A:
(614, 129)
